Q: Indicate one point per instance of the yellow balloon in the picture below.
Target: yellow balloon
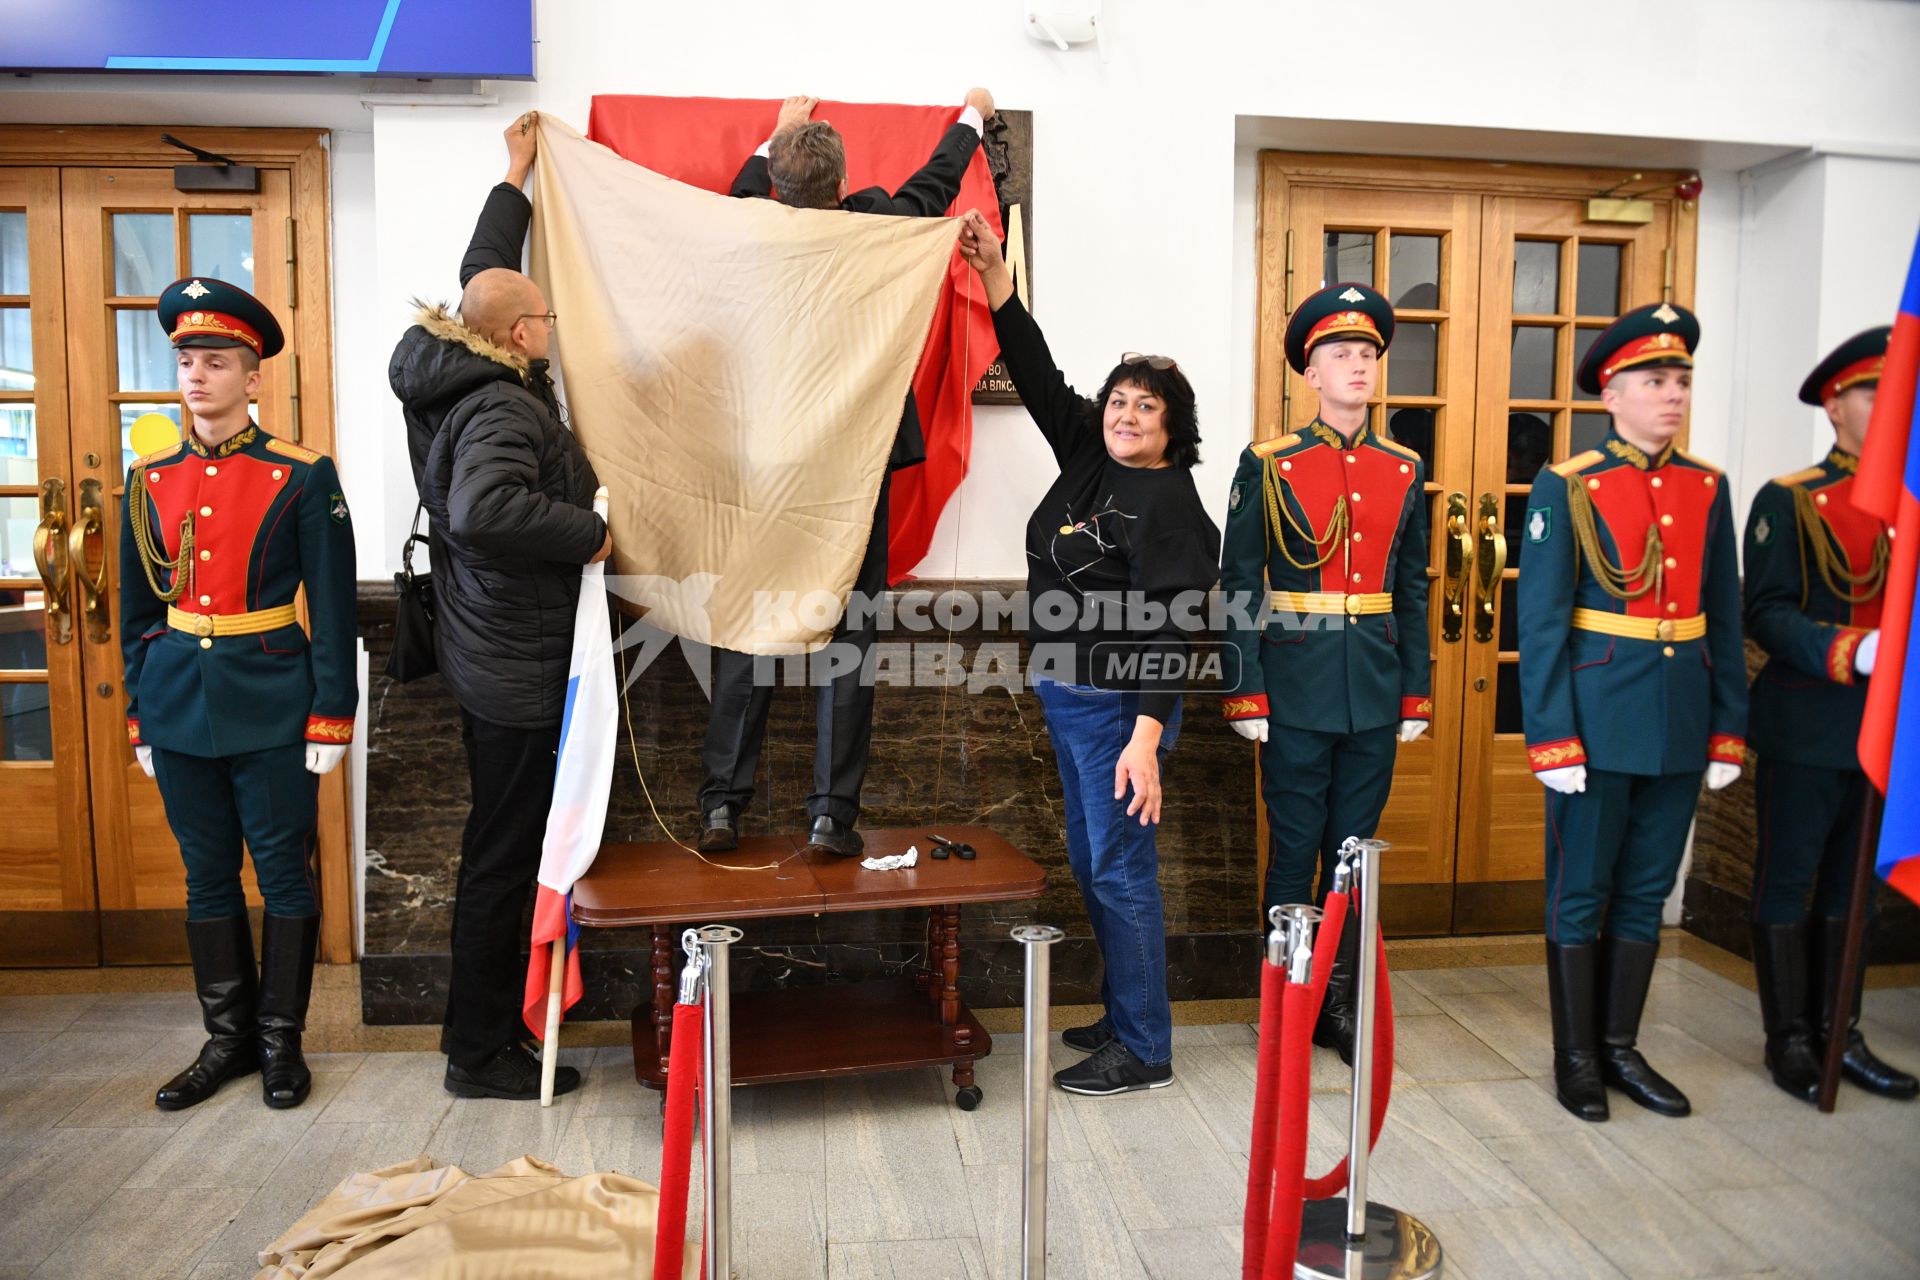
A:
(152, 432)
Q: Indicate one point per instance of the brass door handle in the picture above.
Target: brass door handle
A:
(50, 557)
(88, 534)
(1492, 562)
(1453, 582)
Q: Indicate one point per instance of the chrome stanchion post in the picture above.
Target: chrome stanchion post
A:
(716, 1099)
(1350, 1238)
(1037, 940)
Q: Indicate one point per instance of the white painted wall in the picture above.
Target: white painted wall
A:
(1144, 177)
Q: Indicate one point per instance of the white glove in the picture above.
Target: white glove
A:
(1566, 780)
(1254, 730)
(323, 756)
(1721, 774)
(1869, 650)
(1411, 729)
(145, 756)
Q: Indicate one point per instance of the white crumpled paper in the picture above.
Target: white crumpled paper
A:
(894, 863)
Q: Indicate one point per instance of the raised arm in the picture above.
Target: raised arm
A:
(931, 191)
(502, 229)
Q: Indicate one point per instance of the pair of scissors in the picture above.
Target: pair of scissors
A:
(943, 847)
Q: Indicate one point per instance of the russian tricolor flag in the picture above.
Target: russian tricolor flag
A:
(1888, 486)
(583, 779)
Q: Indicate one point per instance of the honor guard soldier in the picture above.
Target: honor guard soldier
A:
(1632, 685)
(231, 708)
(1816, 568)
(1327, 528)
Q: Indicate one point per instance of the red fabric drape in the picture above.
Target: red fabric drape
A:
(704, 141)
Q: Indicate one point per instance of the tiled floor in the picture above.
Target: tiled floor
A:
(883, 1177)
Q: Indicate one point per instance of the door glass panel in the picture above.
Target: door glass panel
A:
(18, 445)
(146, 357)
(1349, 257)
(131, 413)
(16, 349)
(26, 722)
(142, 254)
(1412, 362)
(13, 251)
(1506, 700)
(1529, 445)
(221, 245)
(1414, 429)
(1413, 271)
(1597, 280)
(1509, 607)
(1583, 340)
(18, 518)
(1589, 429)
(1514, 526)
(1531, 375)
(1536, 277)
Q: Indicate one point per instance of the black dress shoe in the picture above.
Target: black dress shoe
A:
(1113, 1069)
(512, 1073)
(834, 836)
(1091, 1038)
(224, 980)
(719, 834)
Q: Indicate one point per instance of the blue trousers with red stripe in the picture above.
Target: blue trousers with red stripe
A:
(1613, 851)
(1807, 833)
(223, 807)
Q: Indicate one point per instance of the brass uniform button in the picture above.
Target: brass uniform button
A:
(1666, 519)
(1655, 482)
(212, 470)
(206, 555)
(206, 642)
(206, 511)
(206, 599)
(1668, 651)
(276, 473)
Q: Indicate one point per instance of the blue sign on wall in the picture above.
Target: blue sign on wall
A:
(464, 39)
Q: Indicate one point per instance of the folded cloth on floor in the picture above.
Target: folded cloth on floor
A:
(735, 369)
(426, 1221)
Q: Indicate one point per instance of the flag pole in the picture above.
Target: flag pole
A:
(550, 1047)
(1852, 953)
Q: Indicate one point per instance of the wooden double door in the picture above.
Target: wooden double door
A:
(1499, 283)
(92, 228)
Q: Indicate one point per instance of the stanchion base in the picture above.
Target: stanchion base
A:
(1398, 1246)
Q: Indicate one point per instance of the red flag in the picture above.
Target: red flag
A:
(704, 141)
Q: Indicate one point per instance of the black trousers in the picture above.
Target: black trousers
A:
(737, 722)
(511, 771)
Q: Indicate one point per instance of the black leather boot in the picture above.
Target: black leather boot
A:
(719, 831)
(1629, 973)
(1857, 1062)
(1780, 965)
(223, 976)
(1572, 983)
(286, 984)
(1336, 1025)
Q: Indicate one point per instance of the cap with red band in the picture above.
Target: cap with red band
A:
(1650, 337)
(1339, 311)
(200, 312)
(1853, 363)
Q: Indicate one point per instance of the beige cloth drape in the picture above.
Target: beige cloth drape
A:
(522, 1221)
(736, 370)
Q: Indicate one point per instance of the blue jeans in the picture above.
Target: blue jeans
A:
(1114, 860)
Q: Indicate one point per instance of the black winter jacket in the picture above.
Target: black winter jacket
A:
(509, 500)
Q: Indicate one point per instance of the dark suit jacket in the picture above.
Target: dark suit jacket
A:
(929, 193)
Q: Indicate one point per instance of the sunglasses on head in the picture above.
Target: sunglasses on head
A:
(1161, 363)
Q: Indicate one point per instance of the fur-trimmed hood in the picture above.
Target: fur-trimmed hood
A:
(440, 361)
(444, 324)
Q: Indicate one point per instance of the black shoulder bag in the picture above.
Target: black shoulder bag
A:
(412, 654)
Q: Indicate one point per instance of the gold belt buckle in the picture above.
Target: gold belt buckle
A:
(203, 625)
(1353, 606)
(1665, 630)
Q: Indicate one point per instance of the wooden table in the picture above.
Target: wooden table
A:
(808, 1032)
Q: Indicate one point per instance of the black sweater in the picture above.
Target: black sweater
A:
(1104, 532)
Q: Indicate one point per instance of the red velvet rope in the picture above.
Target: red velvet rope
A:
(1266, 1101)
(1336, 1180)
(676, 1143)
(1290, 1156)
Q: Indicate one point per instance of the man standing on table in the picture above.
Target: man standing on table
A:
(1816, 570)
(1633, 684)
(804, 165)
(232, 708)
(1328, 526)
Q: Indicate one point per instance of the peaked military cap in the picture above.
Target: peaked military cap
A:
(1664, 333)
(1853, 362)
(1339, 311)
(203, 312)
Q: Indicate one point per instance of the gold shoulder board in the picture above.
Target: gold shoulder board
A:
(293, 451)
(1266, 448)
(1799, 477)
(161, 455)
(1577, 463)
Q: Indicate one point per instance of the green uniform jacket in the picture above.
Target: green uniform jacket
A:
(1361, 509)
(268, 518)
(1808, 700)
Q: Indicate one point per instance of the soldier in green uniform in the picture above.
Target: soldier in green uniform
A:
(1327, 529)
(1632, 686)
(232, 708)
(1816, 569)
